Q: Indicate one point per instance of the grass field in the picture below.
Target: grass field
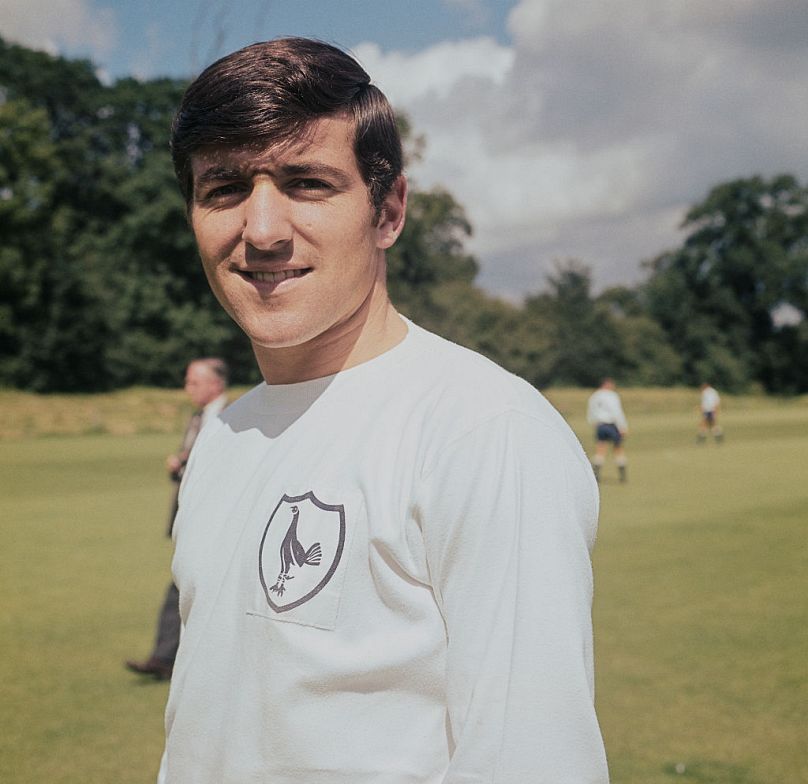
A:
(701, 606)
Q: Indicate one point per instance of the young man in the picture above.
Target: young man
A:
(710, 404)
(605, 412)
(206, 386)
(383, 551)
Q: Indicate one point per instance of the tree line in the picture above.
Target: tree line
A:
(101, 287)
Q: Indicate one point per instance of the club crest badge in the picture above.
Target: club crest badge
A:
(300, 550)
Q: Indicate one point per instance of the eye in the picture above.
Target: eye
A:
(219, 193)
(222, 191)
(309, 184)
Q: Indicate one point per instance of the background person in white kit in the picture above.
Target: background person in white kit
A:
(605, 412)
(383, 551)
(710, 405)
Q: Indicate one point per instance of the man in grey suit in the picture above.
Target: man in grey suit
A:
(205, 385)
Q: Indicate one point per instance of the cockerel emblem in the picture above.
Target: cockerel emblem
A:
(294, 555)
(300, 549)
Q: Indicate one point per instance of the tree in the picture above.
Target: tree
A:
(431, 249)
(40, 290)
(746, 254)
(27, 158)
(583, 342)
(646, 356)
(100, 285)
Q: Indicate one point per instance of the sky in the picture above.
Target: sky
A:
(568, 129)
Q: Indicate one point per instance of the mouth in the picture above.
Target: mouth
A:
(267, 283)
(274, 277)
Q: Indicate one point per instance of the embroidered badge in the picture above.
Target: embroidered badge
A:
(300, 550)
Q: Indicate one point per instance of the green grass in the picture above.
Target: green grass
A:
(701, 606)
(702, 603)
(82, 570)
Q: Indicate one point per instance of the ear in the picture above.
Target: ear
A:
(394, 210)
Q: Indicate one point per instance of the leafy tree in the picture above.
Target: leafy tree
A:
(430, 277)
(100, 285)
(40, 290)
(746, 253)
(27, 159)
(430, 251)
(466, 315)
(646, 356)
(584, 343)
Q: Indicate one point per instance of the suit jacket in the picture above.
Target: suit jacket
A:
(197, 421)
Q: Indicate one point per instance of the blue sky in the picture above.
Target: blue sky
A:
(178, 36)
(566, 128)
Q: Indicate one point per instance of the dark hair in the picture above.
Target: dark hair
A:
(269, 92)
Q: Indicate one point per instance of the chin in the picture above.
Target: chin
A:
(279, 338)
(270, 330)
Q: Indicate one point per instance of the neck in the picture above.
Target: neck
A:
(374, 328)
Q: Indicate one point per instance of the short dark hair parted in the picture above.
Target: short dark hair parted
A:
(269, 92)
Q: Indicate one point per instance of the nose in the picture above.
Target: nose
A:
(266, 217)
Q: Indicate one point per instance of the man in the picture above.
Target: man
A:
(605, 412)
(383, 551)
(710, 404)
(205, 385)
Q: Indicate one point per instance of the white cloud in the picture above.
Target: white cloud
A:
(593, 132)
(435, 72)
(59, 26)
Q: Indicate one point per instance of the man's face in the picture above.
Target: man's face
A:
(287, 235)
(201, 384)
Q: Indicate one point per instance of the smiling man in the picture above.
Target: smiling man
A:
(383, 551)
(294, 249)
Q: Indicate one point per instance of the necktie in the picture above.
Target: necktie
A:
(191, 432)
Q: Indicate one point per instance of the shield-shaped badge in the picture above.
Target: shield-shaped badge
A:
(300, 550)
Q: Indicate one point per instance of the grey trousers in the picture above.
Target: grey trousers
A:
(168, 627)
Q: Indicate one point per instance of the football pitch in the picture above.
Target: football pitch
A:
(701, 600)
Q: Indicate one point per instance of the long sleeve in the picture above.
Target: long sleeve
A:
(604, 407)
(620, 417)
(592, 409)
(509, 515)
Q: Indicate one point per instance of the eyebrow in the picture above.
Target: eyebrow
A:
(216, 173)
(314, 169)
